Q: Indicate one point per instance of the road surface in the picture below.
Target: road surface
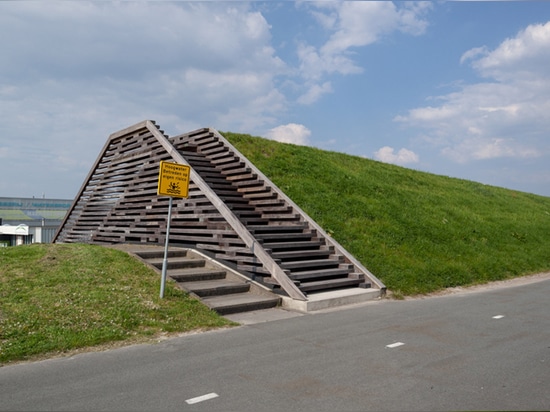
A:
(480, 350)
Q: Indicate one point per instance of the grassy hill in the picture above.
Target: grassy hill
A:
(58, 298)
(417, 232)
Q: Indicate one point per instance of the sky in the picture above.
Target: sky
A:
(459, 89)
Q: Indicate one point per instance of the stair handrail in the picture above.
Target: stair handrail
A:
(271, 266)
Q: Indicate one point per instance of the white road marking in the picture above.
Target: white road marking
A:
(201, 398)
(498, 317)
(394, 345)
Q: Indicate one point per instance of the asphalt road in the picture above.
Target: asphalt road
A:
(483, 350)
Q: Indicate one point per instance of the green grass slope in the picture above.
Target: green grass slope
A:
(57, 298)
(417, 232)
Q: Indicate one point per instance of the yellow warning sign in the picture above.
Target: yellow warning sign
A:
(173, 179)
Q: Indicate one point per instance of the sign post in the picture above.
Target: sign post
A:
(174, 182)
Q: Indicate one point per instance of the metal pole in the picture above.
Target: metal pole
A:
(165, 260)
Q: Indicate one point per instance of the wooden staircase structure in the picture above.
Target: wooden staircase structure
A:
(233, 212)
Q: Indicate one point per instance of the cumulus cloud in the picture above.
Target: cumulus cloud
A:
(483, 149)
(349, 25)
(159, 49)
(404, 156)
(290, 133)
(160, 59)
(482, 120)
(523, 57)
(315, 92)
(361, 23)
(141, 60)
(77, 71)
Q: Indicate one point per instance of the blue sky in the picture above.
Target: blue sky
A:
(460, 89)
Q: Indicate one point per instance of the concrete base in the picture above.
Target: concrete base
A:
(332, 299)
(261, 316)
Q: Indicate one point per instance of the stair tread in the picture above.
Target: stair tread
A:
(210, 284)
(332, 281)
(196, 274)
(297, 264)
(292, 236)
(217, 287)
(159, 254)
(294, 254)
(329, 284)
(197, 270)
(297, 244)
(157, 260)
(240, 298)
(318, 273)
(276, 228)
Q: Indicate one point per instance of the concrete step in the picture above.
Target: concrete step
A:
(196, 274)
(217, 287)
(330, 284)
(331, 299)
(242, 302)
(177, 263)
(319, 274)
(217, 291)
(296, 255)
(159, 253)
(284, 237)
(262, 229)
(307, 264)
(292, 246)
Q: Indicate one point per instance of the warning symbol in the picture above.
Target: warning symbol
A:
(173, 180)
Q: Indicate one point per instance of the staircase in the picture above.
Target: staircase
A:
(279, 228)
(217, 286)
(234, 214)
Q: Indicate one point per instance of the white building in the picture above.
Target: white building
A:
(30, 220)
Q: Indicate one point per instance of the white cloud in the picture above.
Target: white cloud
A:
(140, 37)
(506, 116)
(143, 45)
(404, 156)
(71, 66)
(524, 57)
(74, 72)
(349, 25)
(360, 23)
(290, 133)
(474, 53)
(484, 149)
(315, 92)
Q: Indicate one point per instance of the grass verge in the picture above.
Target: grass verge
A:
(57, 298)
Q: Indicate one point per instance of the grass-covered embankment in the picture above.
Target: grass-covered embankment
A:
(417, 232)
(61, 297)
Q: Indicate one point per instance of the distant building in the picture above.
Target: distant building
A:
(30, 220)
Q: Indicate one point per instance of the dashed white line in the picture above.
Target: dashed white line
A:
(498, 317)
(394, 345)
(201, 398)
